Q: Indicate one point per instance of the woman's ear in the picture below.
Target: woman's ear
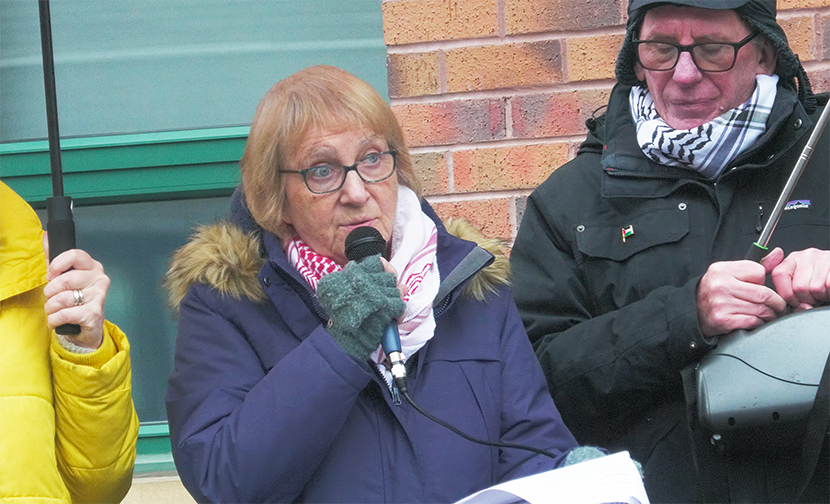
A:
(286, 212)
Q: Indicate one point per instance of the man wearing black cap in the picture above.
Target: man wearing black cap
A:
(628, 262)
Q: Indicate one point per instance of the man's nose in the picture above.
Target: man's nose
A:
(686, 72)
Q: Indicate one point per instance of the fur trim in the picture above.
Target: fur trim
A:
(228, 259)
(220, 255)
(493, 276)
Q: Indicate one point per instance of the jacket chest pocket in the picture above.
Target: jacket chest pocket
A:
(625, 259)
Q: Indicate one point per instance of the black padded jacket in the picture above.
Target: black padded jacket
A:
(612, 317)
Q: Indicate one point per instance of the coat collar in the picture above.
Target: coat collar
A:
(22, 261)
(234, 257)
(464, 261)
(631, 174)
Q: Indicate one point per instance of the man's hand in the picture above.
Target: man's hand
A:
(732, 295)
(803, 278)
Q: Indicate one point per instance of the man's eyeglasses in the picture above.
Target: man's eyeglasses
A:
(373, 168)
(708, 56)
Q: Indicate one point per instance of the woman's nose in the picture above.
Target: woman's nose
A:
(354, 189)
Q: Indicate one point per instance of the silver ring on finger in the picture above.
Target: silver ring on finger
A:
(79, 296)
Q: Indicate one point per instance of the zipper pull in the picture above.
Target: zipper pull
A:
(759, 218)
(396, 396)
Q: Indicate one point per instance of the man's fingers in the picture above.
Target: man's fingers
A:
(732, 295)
(804, 278)
(773, 259)
(765, 298)
(743, 271)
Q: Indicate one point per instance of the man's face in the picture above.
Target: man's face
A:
(685, 97)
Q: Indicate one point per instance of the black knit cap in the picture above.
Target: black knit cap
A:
(758, 14)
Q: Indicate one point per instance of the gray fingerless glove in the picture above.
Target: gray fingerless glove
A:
(583, 453)
(361, 300)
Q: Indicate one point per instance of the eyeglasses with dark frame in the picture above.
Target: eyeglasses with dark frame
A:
(708, 56)
(322, 179)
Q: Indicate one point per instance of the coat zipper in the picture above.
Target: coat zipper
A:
(396, 394)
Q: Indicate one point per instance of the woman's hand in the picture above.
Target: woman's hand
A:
(75, 294)
(361, 299)
(387, 267)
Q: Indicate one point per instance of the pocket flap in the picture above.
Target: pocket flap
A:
(602, 239)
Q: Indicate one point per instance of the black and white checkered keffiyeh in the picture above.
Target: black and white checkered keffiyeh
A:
(710, 147)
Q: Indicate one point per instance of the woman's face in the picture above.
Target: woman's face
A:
(324, 220)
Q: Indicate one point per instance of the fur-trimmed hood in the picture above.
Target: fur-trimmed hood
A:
(227, 258)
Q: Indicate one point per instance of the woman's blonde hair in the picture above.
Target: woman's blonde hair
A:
(318, 97)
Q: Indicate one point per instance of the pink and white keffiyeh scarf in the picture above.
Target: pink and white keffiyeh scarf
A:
(414, 245)
(311, 265)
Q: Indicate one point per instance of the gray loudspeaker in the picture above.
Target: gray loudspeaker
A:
(760, 380)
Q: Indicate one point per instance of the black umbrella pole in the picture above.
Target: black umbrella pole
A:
(59, 224)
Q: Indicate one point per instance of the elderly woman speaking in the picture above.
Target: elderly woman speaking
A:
(281, 391)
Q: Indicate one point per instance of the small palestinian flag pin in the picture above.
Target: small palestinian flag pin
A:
(626, 232)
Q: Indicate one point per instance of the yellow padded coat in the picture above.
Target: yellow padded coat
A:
(68, 427)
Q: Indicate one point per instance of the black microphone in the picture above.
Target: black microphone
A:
(363, 242)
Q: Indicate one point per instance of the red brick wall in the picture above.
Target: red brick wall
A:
(493, 94)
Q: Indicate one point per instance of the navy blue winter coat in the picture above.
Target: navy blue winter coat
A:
(264, 406)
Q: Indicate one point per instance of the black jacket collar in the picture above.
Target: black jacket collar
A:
(631, 174)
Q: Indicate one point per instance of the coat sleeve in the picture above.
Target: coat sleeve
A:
(603, 368)
(529, 416)
(243, 433)
(96, 422)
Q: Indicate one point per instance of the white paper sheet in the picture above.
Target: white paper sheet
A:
(603, 480)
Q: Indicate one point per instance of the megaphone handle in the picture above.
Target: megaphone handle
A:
(756, 252)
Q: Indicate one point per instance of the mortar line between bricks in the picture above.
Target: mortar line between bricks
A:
(450, 172)
(502, 20)
(600, 84)
(784, 15)
(442, 73)
(420, 47)
(511, 142)
(477, 196)
(513, 221)
(813, 66)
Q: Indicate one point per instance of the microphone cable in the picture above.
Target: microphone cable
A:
(466, 436)
(366, 241)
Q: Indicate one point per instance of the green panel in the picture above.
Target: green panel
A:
(153, 449)
(134, 242)
(132, 66)
(129, 167)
